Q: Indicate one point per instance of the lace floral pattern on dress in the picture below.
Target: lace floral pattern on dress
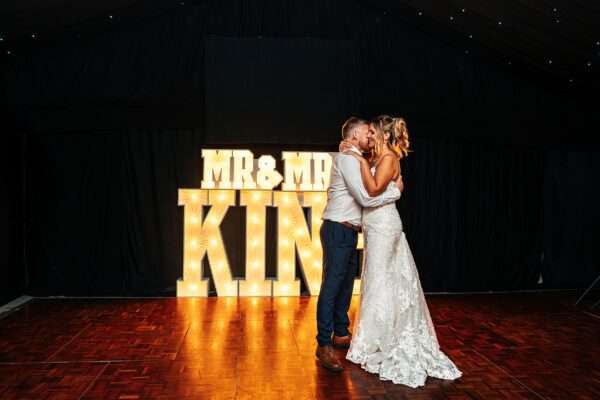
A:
(395, 337)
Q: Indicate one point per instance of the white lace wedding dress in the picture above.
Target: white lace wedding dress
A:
(394, 337)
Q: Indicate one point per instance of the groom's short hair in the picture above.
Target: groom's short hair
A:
(350, 124)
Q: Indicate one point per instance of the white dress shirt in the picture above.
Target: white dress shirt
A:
(346, 195)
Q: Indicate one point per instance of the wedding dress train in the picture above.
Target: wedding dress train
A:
(395, 337)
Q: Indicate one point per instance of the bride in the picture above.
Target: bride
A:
(394, 336)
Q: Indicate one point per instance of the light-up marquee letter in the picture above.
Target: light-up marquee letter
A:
(306, 171)
(225, 173)
(256, 202)
(297, 169)
(203, 237)
(267, 177)
(243, 166)
(292, 235)
(216, 165)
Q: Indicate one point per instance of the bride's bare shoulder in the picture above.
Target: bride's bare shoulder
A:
(388, 157)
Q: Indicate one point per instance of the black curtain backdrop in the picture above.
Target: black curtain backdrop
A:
(12, 262)
(571, 217)
(105, 220)
(116, 122)
(254, 90)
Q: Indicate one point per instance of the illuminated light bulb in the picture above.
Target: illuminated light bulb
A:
(256, 196)
(306, 254)
(193, 265)
(195, 197)
(193, 287)
(194, 243)
(222, 197)
(213, 242)
(317, 264)
(286, 221)
(254, 218)
(194, 220)
(284, 242)
(254, 243)
(299, 232)
(255, 264)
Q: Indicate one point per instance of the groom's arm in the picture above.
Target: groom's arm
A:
(350, 169)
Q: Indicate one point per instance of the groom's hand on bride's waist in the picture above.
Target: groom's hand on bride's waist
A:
(399, 183)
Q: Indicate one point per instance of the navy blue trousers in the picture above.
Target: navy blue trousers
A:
(340, 266)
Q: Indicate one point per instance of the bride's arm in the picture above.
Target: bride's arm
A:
(377, 184)
(356, 188)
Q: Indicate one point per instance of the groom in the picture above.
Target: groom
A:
(346, 196)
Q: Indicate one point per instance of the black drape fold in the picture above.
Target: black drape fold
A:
(12, 255)
(105, 220)
(571, 218)
(473, 211)
(156, 164)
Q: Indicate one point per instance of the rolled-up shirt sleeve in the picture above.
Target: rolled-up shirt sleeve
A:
(350, 169)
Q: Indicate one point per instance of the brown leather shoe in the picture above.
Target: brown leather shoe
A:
(342, 342)
(328, 359)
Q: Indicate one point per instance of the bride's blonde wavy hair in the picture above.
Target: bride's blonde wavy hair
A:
(398, 136)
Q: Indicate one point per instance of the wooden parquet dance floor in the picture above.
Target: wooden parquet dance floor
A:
(517, 346)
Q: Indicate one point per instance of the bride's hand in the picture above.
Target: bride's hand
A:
(357, 156)
(344, 146)
(400, 183)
